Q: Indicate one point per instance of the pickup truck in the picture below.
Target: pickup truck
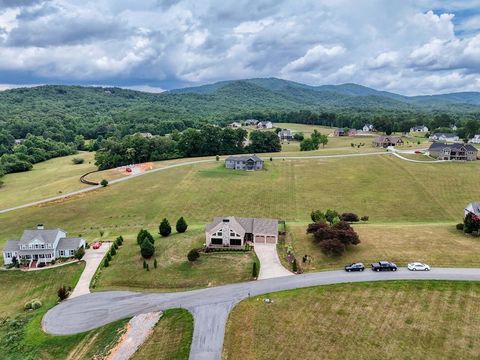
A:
(384, 266)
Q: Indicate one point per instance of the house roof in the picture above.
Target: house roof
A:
(474, 207)
(69, 243)
(11, 245)
(456, 146)
(47, 236)
(243, 158)
(445, 134)
(247, 225)
(385, 138)
(420, 127)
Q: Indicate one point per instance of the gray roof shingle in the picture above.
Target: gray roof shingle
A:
(249, 225)
(47, 236)
(69, 243)
(11, 245)
(243, 158)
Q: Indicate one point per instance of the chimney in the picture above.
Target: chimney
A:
(40, 227)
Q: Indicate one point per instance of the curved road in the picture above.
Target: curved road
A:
(193, 162)
(210, 307)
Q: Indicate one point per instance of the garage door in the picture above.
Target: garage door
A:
(271, 240)
(260, 239)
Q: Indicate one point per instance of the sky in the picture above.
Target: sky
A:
(409, 47)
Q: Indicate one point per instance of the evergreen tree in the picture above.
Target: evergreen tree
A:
(193, 255)
(147, 249)
(165, 229)
(106, 263)
(113, 252)
(109, 257)
(254, 270)
(181, 225)
(294, 266)
(144, 234)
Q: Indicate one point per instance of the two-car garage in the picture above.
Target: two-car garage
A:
(265, 239)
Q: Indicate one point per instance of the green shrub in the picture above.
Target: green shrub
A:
(106, 262)
(193, 255)
(254, 270)
(109, 256)
(155, 265)
(33, 305)
(104, 182)
(147, 249)
(181, 225)
(113, 252)
(165, 229)
(460, 227)
(144, 234)
(79, 253)
(62, 292)
(78, 161)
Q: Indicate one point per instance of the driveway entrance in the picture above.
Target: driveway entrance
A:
(270, 266)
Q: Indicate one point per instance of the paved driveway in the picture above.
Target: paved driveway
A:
(270, 265)
(210, 307)
(92, 259)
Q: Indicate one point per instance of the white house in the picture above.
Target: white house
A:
(235, 125)
(368, 128)
(41, 246)
(421, 128)
(444, 137)
(472, 208)
(475, 140)
(265, 125)
(236, 232)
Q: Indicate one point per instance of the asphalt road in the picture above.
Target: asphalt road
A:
(130, 177)
(210, 307)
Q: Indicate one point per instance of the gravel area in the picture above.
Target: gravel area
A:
(139, 329)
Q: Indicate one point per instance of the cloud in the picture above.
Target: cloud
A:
(403, 46)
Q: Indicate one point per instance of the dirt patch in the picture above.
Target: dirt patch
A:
(139, 329)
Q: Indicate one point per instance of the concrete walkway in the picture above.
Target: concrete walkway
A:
(92, 259)
(210, 307)
(270, 265)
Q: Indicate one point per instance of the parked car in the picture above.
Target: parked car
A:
(384, 266)
(96, 245)
(418, 266)
(354, 267)
(418, 152)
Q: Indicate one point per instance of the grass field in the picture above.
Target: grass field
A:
(395, 320)
(171, 338)
(436, 244)
(46, 179)
(21, 336)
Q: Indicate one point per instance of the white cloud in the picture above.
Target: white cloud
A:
(317, 57)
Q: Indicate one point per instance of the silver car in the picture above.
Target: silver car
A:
(418, 266)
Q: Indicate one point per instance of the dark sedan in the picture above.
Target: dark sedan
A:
(354, 267)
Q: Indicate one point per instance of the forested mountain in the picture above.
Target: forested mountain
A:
(65, 115)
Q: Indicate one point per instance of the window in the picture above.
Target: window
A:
(42, 246)
(8, 255)
(72, 252)
(216, 241)
(235, 242)
(62, 253)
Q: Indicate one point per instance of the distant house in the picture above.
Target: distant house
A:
(386, 141)
(475, 140)
(246, 162)
(352, 132)
(472, 208)
(453, 127)
(41, 246)
(285, 134)
(146, 135)
(235, 125)
(457, 151)
(236, 232)
(249, 122)
(265, 125)
(368, 128)
(19, 141)
(421, 128)
(444, 137)
(339, 132)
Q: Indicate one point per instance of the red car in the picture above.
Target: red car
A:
(418, 152)
(96, 245)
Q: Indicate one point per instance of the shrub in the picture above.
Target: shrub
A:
(106, 262)
(144, 234)
(33, 305)
(181, 225)
(165, 229)
(294, 266)
(113, 252)
(193, 255)
(101, 232)
(317, 216)
(78, 161)
(109, 256)
(147, 249)
(155, 264)
(460, 226)
(312, 228)
(79, 253)
(114, 245)
(330, 215)
(120, 240)
(342, 225)
(217, 158)
(104, 182)
(349, 217)
(62, 292)
(254, 270)
(144, 264)
(332, 247)
(471, 223)
(364, 218)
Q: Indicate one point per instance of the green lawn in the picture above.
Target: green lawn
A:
(21, 336)
(46, 179)
(439, 245)
(394, 320)
(171, 337)
(174, 272)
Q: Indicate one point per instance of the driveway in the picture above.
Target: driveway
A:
(92, 259)
(270, 265)
(210, 307)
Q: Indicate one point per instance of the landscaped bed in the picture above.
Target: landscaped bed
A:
(394, 320)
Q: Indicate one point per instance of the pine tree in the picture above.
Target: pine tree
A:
(294, 266)
(181, 225)
(147, 249)
(165, 229)
(113, 252)
(142, 235)
(109, 257)
(106, 263)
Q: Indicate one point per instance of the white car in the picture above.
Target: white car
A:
(418, 266)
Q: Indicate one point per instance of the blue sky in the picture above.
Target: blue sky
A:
(409, 47)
